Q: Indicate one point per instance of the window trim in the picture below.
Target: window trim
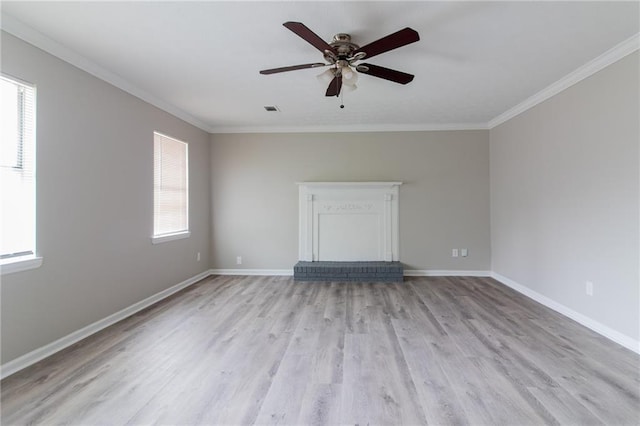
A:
(18, 264)
(159, 239)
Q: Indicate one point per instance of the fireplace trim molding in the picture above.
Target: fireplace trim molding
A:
(314, 197)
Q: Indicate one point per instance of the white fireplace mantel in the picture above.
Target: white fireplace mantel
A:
(348, 221)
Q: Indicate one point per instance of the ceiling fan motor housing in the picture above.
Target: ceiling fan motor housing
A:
(343, 48)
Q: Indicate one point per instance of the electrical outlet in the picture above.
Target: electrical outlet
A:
(239, 260)
(454, 253)
(198, 257)
(589, 288)
(464, 252)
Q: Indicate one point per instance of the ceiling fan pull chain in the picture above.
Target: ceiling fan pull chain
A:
(342, 99)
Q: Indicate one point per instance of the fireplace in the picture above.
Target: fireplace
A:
(348, 221)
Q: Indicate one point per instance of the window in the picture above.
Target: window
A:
(170, 189)
(17, 176)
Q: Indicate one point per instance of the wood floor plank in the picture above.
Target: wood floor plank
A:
(268, 350)
(328, 353)
(321, 405)
(335, 307)
(283, 401)
(377, 385)
(564, 407)
(355, 309)
(441, 405)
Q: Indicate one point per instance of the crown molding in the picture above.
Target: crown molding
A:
(612, 55)
(352, 128)
(17, 28)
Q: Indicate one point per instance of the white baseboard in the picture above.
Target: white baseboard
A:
(444, 273)
(265, 272)
(34, 356)
(407, 272)
(608, 332)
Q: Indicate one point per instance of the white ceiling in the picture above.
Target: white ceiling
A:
(200, 60)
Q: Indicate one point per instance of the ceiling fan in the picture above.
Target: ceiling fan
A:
(342, 55)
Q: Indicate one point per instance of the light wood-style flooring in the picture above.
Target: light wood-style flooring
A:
(268, 350)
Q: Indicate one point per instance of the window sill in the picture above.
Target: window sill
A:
(170, 237)
(19, 264)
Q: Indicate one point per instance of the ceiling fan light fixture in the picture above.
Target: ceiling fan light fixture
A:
(326, 77)
(349, 76)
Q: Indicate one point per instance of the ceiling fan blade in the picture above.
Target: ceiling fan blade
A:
(309, 36)
(334, 86)
(293, 68)
(386, 73)
(390, 42)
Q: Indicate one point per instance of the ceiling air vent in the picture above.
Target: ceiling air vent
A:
(271, 108)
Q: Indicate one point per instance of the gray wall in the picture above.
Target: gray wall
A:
(444, 201)
(564, 197)
(95, 204)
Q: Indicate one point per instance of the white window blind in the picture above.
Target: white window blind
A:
(171, 186)
(17, 170)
